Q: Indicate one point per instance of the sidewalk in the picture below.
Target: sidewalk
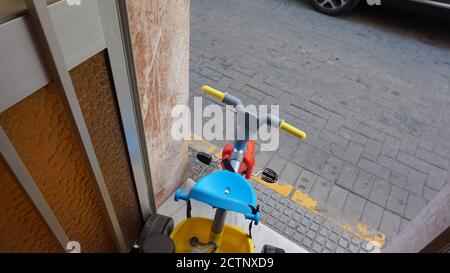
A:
(375, 103)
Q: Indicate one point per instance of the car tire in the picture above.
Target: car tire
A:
(334, 7)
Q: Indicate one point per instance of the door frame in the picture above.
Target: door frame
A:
(47, 43)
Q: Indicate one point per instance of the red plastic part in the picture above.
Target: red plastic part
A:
(249, 158)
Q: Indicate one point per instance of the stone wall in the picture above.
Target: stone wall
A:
(160, 34)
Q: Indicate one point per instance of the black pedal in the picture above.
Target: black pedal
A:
(204, 158)
(269, 176)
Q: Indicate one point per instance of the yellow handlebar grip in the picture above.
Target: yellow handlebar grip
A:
(214, 92)
(292, 130)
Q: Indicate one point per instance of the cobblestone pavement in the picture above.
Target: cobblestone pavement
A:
(371, 90)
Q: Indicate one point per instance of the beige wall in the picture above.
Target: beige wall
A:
(160, 33)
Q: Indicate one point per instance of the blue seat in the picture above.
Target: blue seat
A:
(225, 190)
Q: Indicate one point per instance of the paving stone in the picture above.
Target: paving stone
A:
(397, 180)
(283, 201)
(270, 221)
(409, 144)
(297, 111)
(288, 232)
(393, 165)
(277, 164)
(334, 138)
(306, 222)
(354, 205)
(334, 237)
(437, 178)
(343, 243)
(302, 229)
(317, 247)
(353, 152)
(414, 206)
(290, 173)
(318, 220)
(429, 194)
(309, 216)
(347, 236)
(252, 92)
(348, 176)
(353, 136)
(314, 227)
(279, 226)
(427, 144)
(356, 241)
(364, 184)
(432, 158)
(293, 224)
(279, 207)
(297, 217)
(413, 162)
(332, 169)
(288, 147)
(390, 223)
(283, 219)
(330, 245)
(372, 149)
(334, 122)
(324, 232)
(306, 181)
(210, 74)
(397, 200)
(317, 161)
(374, 168)
(341, 250)
(307, 242)
(298, 237)
(310, 234)
(292, 205)
(416, 182)
(321, 190)
(337, 197)
(336, 151)
(302, 153)
(368, 131)
(390, 147)
(380, 192)
(301, 211)
(372, 215)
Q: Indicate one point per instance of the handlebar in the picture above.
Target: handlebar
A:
(292, 130)
(214, 93)
(237, 103)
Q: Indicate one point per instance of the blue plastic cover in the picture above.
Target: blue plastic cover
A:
(225, 190)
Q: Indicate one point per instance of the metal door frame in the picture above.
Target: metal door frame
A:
(46, 44)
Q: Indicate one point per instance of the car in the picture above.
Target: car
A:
(337, 7)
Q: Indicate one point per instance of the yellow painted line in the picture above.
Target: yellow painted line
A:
(305, 201)
(360, 230)
(378, 240)
(210, 150)
(281, 188)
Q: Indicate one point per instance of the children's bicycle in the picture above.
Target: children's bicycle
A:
(225, 190)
